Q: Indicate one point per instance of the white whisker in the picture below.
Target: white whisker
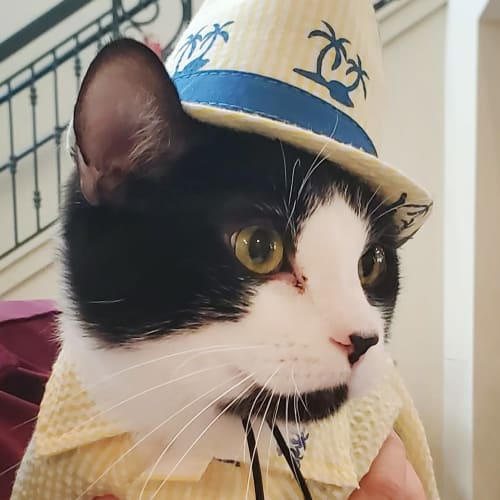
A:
(286, 421)
(284, 164)
(109, 301)
(296, 410)
(221, 413)
(297, 163)
(365, 214)
(151, 432)
(197, 355)
(382, 202)
(201, 350)
(271, 439)
(389, 210)
(12, 467)
(172, 441)
(311, 170)
(249, 421)
(299, 394)
(26, 422)
(252, 458)
(303, 185)
(150, 389)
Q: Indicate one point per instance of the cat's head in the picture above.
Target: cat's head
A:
(204, 264)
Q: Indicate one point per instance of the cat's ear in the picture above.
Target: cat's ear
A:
(128, 120)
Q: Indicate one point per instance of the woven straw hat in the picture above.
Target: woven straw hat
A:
(306, 72)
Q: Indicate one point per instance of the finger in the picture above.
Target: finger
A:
(387, 475)
(414, 487)
(106, 497)
(389, 468)
(360, 495)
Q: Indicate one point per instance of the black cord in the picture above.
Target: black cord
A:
(252, 448)
(256, 471)
(291, 462)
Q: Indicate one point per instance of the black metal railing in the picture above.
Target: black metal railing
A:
(378, 4)
(36, 103)
(35, 107)
(39, 26)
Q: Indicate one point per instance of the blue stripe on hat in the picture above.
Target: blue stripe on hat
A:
(256, 94)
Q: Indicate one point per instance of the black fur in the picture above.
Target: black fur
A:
(305, 407)
(160, 262)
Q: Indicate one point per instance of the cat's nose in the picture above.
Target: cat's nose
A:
(360, 344)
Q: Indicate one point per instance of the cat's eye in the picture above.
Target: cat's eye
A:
(371, 266)
(259, 249)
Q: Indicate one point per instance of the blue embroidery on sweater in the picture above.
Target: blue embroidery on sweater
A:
(298, 445)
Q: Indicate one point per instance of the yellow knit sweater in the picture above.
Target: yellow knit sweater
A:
(73, 452)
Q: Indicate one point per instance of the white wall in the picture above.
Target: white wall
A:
(461, 147)
(21, 13)
(413, 141)
(487, 263)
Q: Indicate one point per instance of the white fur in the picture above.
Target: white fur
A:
(286, 329)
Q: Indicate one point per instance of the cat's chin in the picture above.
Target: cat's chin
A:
(306, 407)
(309, 406)
(370, 372)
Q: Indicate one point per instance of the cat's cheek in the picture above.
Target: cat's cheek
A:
(368, 373)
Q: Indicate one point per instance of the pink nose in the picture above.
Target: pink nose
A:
(356, 346)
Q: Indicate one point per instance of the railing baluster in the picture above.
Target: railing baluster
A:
(13, 169)
(37, 197)
(99, 33)
(13, 172)
(78, 63)
(115, 4)
(57, 131)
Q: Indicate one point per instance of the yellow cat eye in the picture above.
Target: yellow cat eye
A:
(259, 249)
(371, 266)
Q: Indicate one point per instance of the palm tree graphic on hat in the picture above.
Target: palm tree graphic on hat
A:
(206, 42)
(338, 90)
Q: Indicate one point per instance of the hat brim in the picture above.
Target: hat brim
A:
(410, 202)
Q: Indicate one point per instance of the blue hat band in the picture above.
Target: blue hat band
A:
(270, 98)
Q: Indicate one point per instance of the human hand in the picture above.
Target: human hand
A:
(391, 476)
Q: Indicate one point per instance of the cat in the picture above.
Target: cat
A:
(213, 275)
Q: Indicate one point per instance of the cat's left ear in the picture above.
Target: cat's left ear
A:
(128, 121)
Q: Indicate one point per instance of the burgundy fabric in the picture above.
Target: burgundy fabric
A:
(27, 351)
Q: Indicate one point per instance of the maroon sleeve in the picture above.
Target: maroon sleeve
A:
(27, 351)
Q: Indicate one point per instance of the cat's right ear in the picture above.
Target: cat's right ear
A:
(128, 121)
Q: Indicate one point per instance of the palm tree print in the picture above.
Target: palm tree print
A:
(197, 42)
(189, 45)
(334, 43)
(361, 74)
(338, 90)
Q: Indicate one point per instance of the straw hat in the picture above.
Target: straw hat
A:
(306, 72)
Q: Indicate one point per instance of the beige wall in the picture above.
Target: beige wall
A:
(41, 285)
(487, 289)
(413, 141)
(29, 273)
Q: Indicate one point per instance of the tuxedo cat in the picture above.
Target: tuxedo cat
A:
(214, 275)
